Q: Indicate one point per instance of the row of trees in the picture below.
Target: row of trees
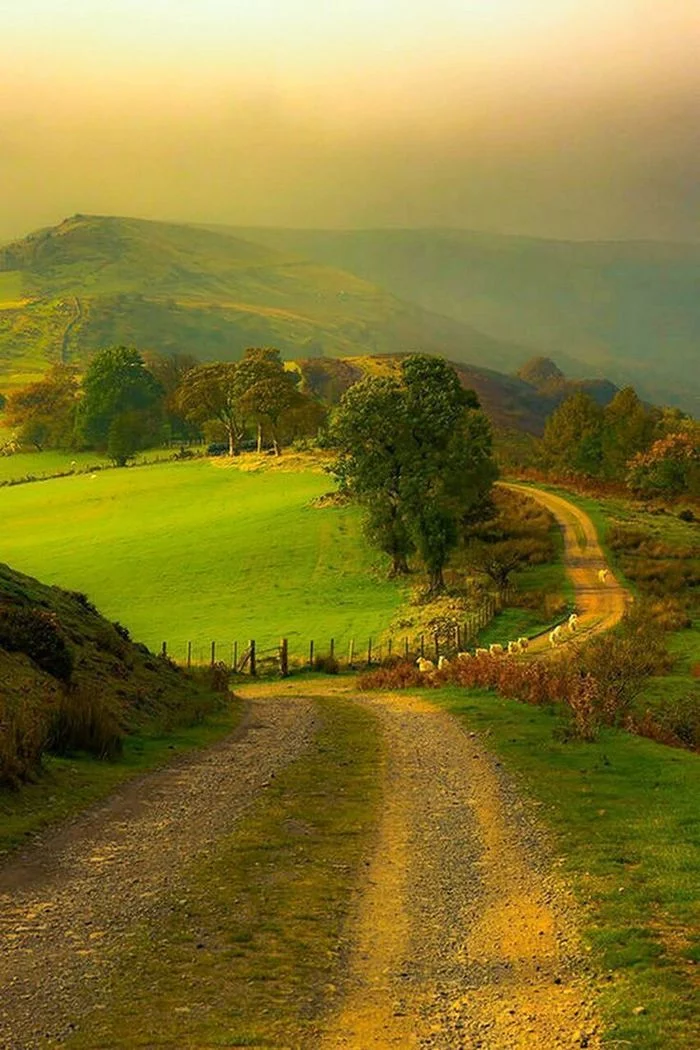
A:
(128, 401)
(415, 451)
(655, 451)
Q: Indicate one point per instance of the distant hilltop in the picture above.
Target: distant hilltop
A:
(630, 312)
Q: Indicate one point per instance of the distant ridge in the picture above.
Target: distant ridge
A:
(91, 281)
(626, 310)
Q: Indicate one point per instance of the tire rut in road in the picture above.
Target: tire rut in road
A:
(462, 938)
(67, 905)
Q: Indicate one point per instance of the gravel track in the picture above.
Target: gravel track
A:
(462, 937)
(68, 904)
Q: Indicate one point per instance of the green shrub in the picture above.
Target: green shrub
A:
(23, 733)
(36, 633)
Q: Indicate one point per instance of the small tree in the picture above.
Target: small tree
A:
(43, 413)
(269, 391)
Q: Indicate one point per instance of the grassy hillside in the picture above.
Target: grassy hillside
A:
(511, 402)
(72, 680)
(197, 552)
(92, 281)
(629, 311)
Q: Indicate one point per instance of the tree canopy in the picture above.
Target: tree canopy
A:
(43, 413)
(415, 450)
(117, 384)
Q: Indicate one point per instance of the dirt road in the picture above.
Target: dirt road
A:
(599, 605)
(462, 938)
(67, 907)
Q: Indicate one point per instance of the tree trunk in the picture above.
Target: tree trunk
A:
(399, 566)
(231, 442)
(259, 438)
(437, 581)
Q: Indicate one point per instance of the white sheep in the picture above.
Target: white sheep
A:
(424, 665)
(603, 575)
(523, 642)
(443, 662)
(553, 638)
(481, 652)
(514, 648)
(573, 623)
(464, 656)
(495, 649)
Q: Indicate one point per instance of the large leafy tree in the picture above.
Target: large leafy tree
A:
(215, 392)
(43, 413)
(270, 391)
(573, 437)
(671, 467)
(416, 451)
(119, 396)
(628, 428)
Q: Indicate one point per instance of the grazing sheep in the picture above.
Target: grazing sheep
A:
(464, 656)
(573, 622)
(603, 575)
(523, 642)
(514, 648)
(443, 662)
(495, 649)
(481, 652)
(425, 665)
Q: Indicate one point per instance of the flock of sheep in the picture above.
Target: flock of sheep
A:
(556, 637)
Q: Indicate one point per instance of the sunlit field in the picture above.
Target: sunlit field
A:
(194, 551)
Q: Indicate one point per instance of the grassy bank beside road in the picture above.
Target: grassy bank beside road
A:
(624, 816)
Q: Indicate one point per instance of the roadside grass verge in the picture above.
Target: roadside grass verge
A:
(625, 816)
(248, 952)
(68, 785)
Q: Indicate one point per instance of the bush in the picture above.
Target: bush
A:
(81, 722)
(37, 634)
(687, 515)
(219, 676)
(326, 664)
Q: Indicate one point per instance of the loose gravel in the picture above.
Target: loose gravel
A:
(68, 905)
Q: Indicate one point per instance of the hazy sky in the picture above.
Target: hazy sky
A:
(555, 117)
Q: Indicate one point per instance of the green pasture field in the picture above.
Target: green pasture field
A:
(625, 817)
(53, 462)
(197, 551)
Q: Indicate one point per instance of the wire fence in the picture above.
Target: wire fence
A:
(250, 658)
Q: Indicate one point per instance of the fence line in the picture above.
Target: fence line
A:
(252, 660)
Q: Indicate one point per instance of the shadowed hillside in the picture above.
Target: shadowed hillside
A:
(512, 402)
(70, 679)
(626, 310)
(93, 281)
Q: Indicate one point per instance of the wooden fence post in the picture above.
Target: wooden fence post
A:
(332, 651)
(253, 669)
(369, 652)
(284, 658)
(311, 655)
(189, 655)
(390, 647)
(213, 653)
(234, 662)
(164, 649)
(422, 645)
(351, 652)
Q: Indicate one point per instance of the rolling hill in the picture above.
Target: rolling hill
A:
(93, 281)
(626, 310)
